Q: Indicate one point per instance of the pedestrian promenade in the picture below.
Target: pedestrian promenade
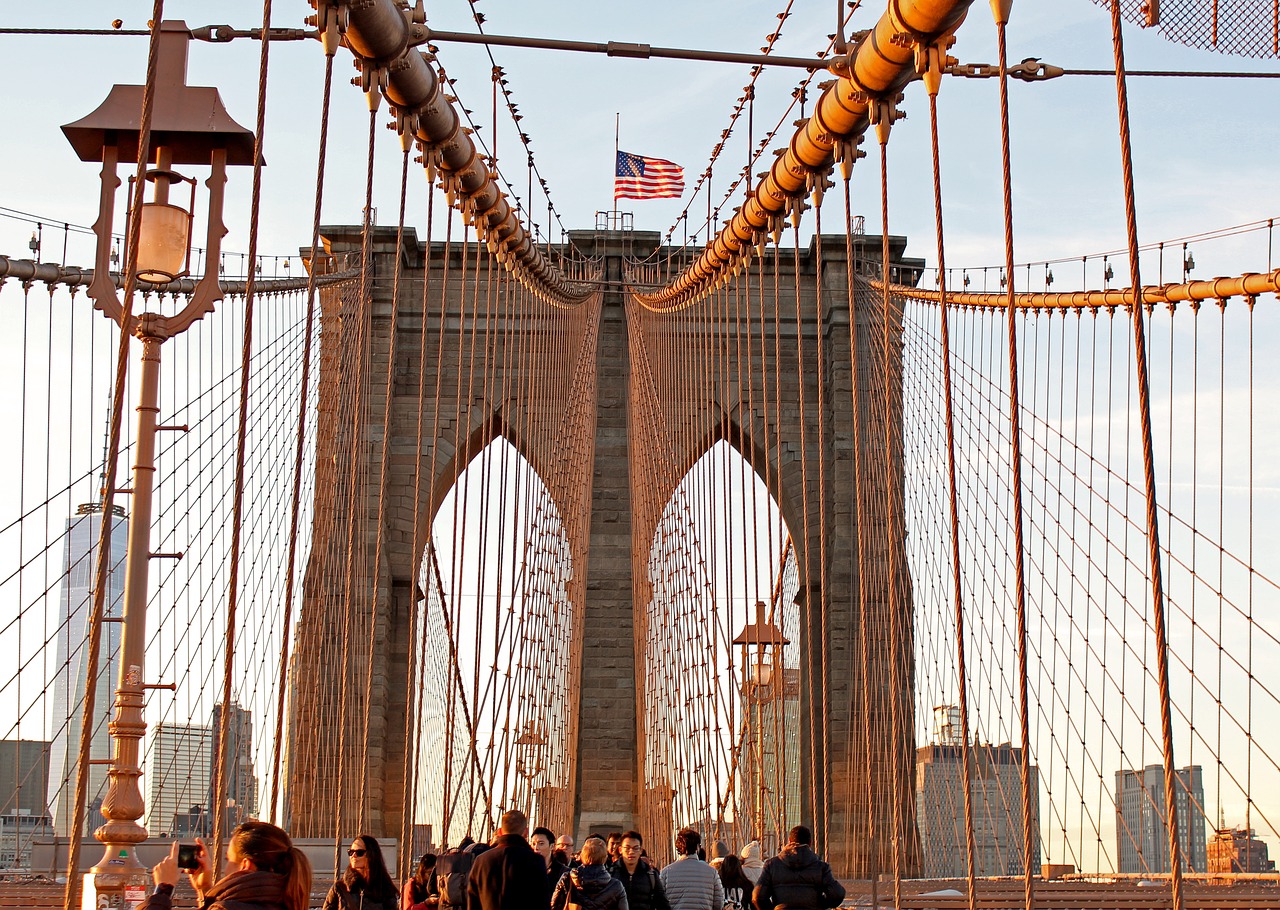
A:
(919, 894)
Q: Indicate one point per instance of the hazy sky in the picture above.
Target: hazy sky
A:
(1204, 147)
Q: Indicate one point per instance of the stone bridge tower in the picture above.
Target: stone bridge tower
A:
(607, 726)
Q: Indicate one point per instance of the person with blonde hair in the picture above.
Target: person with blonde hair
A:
(590, 884)
(267, 872)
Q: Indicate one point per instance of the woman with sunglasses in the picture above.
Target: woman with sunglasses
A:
(365, 885)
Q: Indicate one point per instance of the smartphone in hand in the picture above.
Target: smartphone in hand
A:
(189, 856)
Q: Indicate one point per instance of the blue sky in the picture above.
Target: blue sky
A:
(1204, 147)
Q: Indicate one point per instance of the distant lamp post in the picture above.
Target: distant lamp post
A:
(190, 126)
(761, 681)
(529, 745)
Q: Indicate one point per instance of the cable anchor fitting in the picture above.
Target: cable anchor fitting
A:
(883, 112)
(932, 61)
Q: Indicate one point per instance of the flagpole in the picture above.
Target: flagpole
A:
(617, 122)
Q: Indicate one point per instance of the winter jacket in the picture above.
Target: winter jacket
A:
(644, 889)
(797, 879)
(341, 897)
(752, 864)
(555, 872)
(692, 884)
(415, 895)
(590, 887)
(507, 876)
(237, 891)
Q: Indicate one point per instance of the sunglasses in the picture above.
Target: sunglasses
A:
(355, 853)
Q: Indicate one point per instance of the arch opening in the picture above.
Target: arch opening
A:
(718, 629)
(497, 630)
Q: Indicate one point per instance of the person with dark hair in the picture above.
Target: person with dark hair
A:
(452, 872)
(797, 878)
(509, 875)
(689, 882)
(614, 843)
(590, 885)
(266, 872)
(737, 887)
(366, 885)
(417, 892)
(543, 841)
(643, 886)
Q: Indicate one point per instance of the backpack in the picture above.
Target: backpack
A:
(733, 898)
(451, 878)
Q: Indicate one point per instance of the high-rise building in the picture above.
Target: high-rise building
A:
(241, 783)
(24, 776)
(1238, 850)
(1142, 834)
(995, 791)
(80, 554)
(178, 777)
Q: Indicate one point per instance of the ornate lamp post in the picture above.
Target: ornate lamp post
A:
(190, 126)
(529, 745)
(761, 681)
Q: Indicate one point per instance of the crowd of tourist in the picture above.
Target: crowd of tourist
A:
(517, 869)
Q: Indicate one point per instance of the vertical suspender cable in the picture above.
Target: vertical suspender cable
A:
(933, 81)
(1001, 10)
(413, 705)
(237, 503)
(380, 527)
(356, 343)
(300, 448)
(824, 597)
(1148, 463)
(871, 848)
(896, 633)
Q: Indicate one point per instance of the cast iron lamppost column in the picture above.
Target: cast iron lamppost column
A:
(190, 126)
(761, 682)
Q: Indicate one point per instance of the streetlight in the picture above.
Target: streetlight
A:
(190, 126)
(761, 683)
(529, 745)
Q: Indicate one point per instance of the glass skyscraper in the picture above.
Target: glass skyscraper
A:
(68, 686)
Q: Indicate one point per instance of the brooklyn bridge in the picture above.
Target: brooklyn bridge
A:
(775, 510)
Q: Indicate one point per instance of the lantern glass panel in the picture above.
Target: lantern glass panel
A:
(163, 242)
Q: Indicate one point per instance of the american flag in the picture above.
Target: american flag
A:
(638, 177)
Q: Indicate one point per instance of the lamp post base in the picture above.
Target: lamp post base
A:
(121, 885)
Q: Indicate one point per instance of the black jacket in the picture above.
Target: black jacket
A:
(644, 889)
(236, 891)
(555, 872)
(342, 897)
(590, 887)
(508, 876)
(797, 879)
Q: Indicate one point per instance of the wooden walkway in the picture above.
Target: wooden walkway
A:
(917, 895)
(1060, 895)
